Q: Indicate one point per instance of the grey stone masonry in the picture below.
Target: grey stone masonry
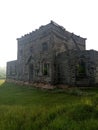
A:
(52, 55)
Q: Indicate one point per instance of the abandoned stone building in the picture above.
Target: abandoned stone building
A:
(53, 55)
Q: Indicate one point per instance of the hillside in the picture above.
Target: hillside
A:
(29, 108)
(2, 72)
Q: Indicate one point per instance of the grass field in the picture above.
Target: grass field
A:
(29, 108)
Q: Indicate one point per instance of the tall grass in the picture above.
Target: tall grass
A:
(29, 108)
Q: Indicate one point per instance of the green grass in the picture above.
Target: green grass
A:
(29, 108)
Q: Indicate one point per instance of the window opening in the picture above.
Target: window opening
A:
(46, 69)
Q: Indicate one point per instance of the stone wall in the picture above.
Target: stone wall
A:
(33, 54)
(11, 72)
(77, 68)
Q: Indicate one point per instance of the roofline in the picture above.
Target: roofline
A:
(53, 23)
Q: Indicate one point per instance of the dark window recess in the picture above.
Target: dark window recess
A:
(46, 69)
(81, 69)
(45, 46)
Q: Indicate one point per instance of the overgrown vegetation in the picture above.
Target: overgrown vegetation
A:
(29, 108)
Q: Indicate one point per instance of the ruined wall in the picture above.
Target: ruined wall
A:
(11, 72)
(82, 67)
(67, 39)
(36, 54)
(95, 65)
(62, 69)
(64, 62)
(78, 68)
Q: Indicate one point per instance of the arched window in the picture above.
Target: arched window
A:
(46, 69)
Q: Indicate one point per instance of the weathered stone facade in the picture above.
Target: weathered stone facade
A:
(53, 55)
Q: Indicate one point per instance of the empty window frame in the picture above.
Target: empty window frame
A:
(46, 67)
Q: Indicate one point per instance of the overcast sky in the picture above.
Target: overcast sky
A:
(19, 17)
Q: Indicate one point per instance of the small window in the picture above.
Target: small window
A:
(45, 46)
(46, 69)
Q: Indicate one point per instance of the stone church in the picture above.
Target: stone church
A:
(52, 55)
